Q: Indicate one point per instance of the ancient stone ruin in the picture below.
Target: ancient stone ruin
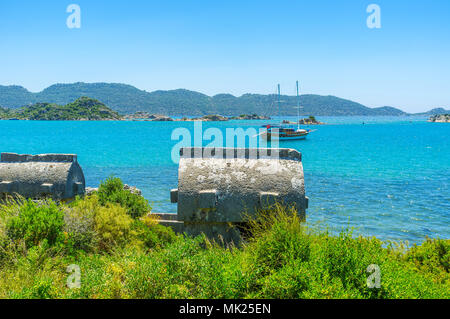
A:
(220, 188)
(56, 176)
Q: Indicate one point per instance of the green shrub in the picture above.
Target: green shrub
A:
(289, 282)
(278, 237)
(36, 222)
(113, 226)
(89, 224)
(153, 235)
(433, 255)
(111, 191)
(343, 261)
(4, 240)
(79, 224)
(42, 289)
(8, 208)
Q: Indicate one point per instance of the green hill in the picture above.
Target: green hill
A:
(83, 108)
(127, 99)
(15, 96)
(436, 111)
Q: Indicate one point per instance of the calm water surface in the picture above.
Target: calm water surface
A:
(388, 177)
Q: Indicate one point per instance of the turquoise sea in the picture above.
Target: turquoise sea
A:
(388, 177)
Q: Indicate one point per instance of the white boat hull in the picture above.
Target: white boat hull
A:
(282, 137)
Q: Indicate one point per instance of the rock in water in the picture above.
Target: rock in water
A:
(160, 118)
(90, 190)
(132, 189)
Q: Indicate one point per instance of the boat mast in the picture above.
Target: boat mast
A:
(298, 110)
(279, 92)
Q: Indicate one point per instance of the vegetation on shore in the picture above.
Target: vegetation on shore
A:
(311, 120)
(250, 117)
(123, 252)
(87, 109)
(83, 108)
(440, 118)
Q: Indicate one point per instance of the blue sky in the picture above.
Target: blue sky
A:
(235, 47)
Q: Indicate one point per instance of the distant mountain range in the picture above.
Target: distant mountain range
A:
(127, 99)
(436, 111)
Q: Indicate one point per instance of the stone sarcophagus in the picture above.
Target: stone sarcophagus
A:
(57, 176)
(222, 187)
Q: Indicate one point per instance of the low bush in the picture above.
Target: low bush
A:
(36, 222)
(90, 224)
(278, 237)
(111, 191)
(113, 226)
(79, 224)
(433, 256)
(151, 234)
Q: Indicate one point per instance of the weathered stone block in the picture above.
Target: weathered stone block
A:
(36, 176)
(267, 199)
(243, 182)
(224, 186)
(207, 199)
(174, 196)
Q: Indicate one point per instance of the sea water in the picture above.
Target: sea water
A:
(386, 176)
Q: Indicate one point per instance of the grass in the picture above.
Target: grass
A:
(121, 255)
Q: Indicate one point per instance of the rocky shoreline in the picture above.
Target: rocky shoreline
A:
(206, 118)
(144, 116)
(440, 118)
(250, 117)
(306, 121)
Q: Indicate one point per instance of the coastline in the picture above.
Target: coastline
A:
(423, 118)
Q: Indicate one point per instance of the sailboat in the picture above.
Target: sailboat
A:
(285, 132)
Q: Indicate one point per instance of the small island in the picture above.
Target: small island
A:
(250, 117)
(207, 118)
(83, 109)
(306, 121)
(145, 116)
(220, 118)
(440, 118)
